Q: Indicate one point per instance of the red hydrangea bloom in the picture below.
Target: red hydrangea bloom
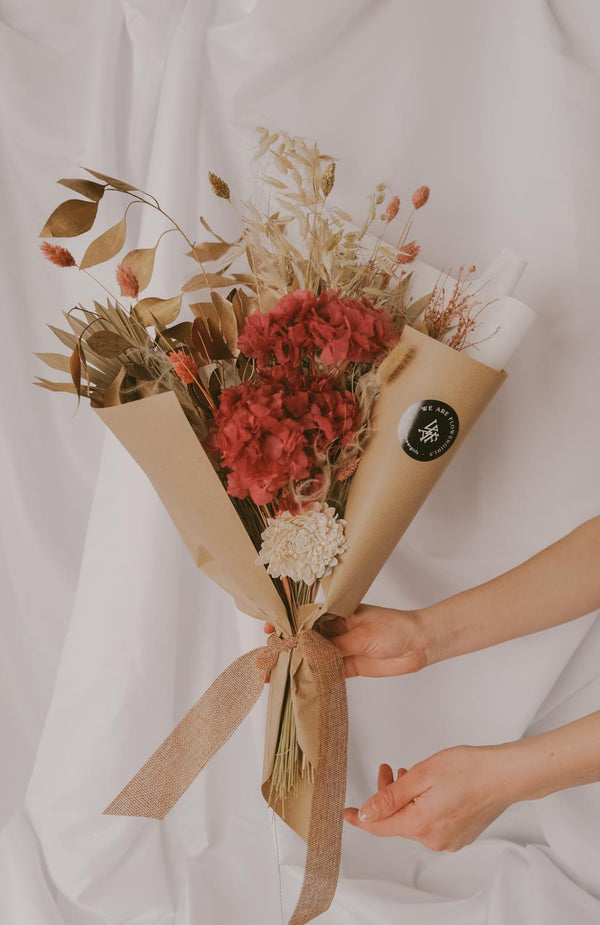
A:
(349, 329)
(303, 325)
(281, 336)
(272, 432)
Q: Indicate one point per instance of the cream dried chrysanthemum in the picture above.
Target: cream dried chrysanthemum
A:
(303, 547)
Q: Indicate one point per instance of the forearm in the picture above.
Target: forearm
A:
(558, 584)
(565, 757)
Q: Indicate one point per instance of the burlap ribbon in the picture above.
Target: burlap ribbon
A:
(214, 718)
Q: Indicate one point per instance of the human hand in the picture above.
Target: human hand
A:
(377, 642)
(444, 802)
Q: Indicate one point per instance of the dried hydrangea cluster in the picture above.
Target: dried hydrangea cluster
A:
(305, 327)
(280, 429)
(303, 547)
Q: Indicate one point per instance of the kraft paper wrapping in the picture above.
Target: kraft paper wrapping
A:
(156, 432)
(387, 490)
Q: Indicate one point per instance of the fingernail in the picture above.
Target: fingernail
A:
(368, 812)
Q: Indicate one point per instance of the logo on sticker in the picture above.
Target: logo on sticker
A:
(428, 429)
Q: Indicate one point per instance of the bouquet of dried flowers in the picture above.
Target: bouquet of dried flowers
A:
(293, 371)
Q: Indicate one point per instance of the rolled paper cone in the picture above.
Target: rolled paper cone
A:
(500, 329)
(431, 395)
(502, 276)
(156, 432)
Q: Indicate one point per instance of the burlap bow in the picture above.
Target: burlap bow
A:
(214, 718)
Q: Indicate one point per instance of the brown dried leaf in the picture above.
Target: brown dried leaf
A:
(245, 279)
(243, 306)
(107, 344)
(208, 339)
(87, 188)
(118, 184)
(141, 263)
(209, 250)
(200, 309)
(415, 308)
(157, 312)
(181, 332)
(56, 361)
(55, 386)
(75, 369)
(207, 281)
(106, 246)
(227, 321)
(64, 337)
(112, 395)
(70, 218)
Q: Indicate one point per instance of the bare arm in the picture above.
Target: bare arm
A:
(558, 584)
(448, 799)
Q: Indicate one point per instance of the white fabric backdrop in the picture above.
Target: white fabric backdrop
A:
(495, 105)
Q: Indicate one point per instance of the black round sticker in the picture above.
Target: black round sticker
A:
(427, 429)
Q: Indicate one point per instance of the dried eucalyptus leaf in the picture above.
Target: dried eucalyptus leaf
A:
(151, 312)
(118, 184)
(87, 188)
(141, 263)
(70, 218)
(106, 246)
(207, 281)
(209, 250)
(107, 344)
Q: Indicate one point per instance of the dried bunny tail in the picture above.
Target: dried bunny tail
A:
(393, 365)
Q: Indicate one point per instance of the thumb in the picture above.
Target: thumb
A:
(389, 800)
(351, 643)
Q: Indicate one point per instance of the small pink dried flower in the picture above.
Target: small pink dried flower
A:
(348, 468)
(408, 252)
(57, 255)
(127, 281)
(392, 209)
(420, 197)
(183, 365)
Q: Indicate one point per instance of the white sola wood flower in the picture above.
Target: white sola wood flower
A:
(303, 547)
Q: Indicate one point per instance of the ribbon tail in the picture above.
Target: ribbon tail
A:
(203, 730)
(329, 794)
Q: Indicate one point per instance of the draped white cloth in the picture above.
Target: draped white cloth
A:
(108, 632)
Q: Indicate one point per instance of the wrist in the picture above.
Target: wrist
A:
(530, 769)
(437, 633)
